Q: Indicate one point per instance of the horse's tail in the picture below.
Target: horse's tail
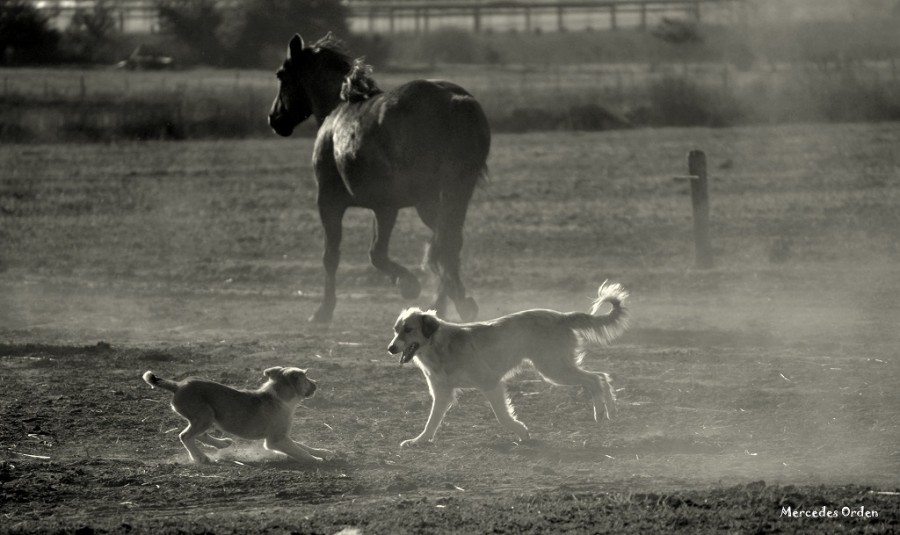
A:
(603, 328)
(158, 382)
(468, 151)
(473, 131)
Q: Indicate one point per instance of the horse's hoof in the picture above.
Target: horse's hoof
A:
(467, 309)
(409, 287)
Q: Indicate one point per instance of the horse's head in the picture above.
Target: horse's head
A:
(309, 83)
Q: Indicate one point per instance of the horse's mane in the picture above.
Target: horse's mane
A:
(358, 84)
(333, 45)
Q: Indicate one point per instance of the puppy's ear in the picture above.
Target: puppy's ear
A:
(429, 325)
(273, 371)
(293, 372)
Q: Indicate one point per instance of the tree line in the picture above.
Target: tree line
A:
(243, 34)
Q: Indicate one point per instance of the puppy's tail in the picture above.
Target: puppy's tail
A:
(603, 328)
(157, 382)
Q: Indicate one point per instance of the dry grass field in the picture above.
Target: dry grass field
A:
(767, 382)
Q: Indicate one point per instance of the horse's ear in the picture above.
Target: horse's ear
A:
(295, 46)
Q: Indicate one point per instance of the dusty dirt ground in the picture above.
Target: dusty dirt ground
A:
(765, 383)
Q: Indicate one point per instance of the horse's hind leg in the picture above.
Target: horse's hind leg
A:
(448, 242)
(451, 283)
(378, 254)
(428, 212)
(332, 215)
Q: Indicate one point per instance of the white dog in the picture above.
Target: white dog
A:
(483, 355)
(264, 413)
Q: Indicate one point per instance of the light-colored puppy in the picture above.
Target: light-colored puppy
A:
(264, 413)
(483, 355)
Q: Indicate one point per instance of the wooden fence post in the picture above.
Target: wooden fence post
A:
(700, 204)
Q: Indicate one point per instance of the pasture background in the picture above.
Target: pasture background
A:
(767, 381)
(77, 104)
(772, 73)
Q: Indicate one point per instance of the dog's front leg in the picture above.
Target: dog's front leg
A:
(188, 438)
(442, 398)
(290, 448)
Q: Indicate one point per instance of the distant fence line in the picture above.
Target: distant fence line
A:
(422, 16)
(418, 16)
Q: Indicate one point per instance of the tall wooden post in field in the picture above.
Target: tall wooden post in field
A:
(700, 203)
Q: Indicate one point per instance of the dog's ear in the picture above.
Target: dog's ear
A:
(273, 371)
(429, 325)
(293, 372)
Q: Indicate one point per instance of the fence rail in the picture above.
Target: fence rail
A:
(393, 16)
(421, 16)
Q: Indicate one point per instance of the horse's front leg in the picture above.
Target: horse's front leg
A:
(332, 216)
(378, 254)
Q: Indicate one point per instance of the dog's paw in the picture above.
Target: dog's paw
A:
(608, 413)
(528, 441)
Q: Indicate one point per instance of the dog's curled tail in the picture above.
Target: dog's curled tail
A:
(604, 328)
(157, 382)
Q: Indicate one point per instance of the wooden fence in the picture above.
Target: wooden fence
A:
(420, 16)
(394, 16)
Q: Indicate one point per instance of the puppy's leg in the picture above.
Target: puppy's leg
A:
(504, 412)
(441, 399)
(565, 372)
(219, 443)
(188, 436)
(290, 448)
(608, 397)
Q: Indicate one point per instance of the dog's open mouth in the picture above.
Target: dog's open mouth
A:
(409, 353)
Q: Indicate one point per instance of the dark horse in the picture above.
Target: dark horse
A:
(424, 144)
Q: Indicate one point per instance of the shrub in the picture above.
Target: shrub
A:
(857, 101)
(261, 30)
(90, 35)
(449, 45)
(194, 24)
(251, 33)
(25, 34)
(678, 101)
